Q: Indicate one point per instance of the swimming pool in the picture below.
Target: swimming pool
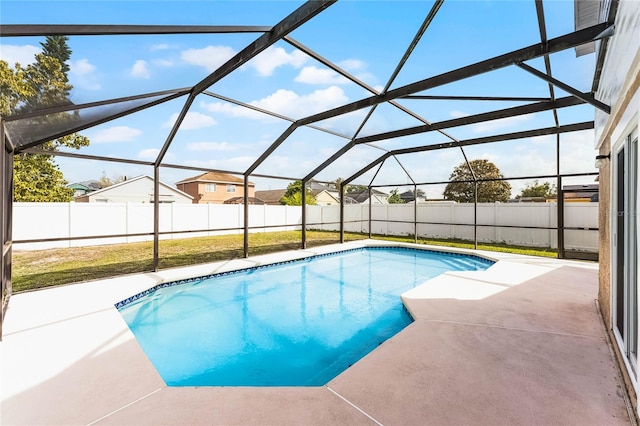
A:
(299, 323)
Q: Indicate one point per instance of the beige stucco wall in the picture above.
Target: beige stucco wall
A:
(604, 227)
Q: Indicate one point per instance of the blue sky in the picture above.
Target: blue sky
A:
(365, 38)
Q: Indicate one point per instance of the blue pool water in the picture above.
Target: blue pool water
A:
(299, 323)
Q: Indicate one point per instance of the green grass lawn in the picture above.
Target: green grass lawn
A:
(45, 268)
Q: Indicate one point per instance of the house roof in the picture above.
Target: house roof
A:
(271, 196)
(362, 196)
(215, 177)
(93, 185)
(78, 186)
(129, 181)
(240, 200)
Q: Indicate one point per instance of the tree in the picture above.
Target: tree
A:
(293, 195)
(40, 85)
(461, 188)
(56, 47)
(394, 197)
(348, 188)
(536, 189)
(106, 182)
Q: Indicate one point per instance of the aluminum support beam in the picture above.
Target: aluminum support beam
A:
(156, 218)
(557, 44)
(370, 209)
(298, 17)
(31, 30)
(476, 98)
(92, 123)
(474, 119)
(487, 139)
(560, 215)
(587, 97)
(341, 214)
(245, 243)
(415, 213)
(174, 129)
(273, 114)
(475, 214)
(304, 214)
(73, 107)
(6, 204)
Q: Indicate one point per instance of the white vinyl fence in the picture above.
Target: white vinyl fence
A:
(60, 221)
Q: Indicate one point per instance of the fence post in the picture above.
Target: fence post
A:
(415, 213)
(156, 217)
(370, 210)
(245, 243)
(341, 214)
(560, 219)
(475, 215)
(304, 215)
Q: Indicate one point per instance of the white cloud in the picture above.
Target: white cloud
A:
(161, 46)
(140, 70)
(210, 57)
(193, 120)
(210, 146)
(82, 67)
(149, 154)
(458, 114)
(116, 134)
(286, 102)
(501, 123)
(352, 64)
(315, 75)
(235, 163)
(24, 55)
(273, 57)
(163, 63)
(84, 74)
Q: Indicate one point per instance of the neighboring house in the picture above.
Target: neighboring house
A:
(84, 187)
(214, 187)
(325, 195)
(619, 178)
(362, 197)
(271, 197)
(408, 197)
(136, 190)
(580, 193)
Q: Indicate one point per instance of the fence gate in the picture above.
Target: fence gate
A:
(568, 196)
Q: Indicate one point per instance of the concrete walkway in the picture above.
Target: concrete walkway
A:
(521, 343)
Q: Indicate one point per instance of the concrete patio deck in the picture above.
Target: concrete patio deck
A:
(520, 343)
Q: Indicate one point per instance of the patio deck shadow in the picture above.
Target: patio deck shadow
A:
(521, 343)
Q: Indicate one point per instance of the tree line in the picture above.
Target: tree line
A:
(490, 182)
